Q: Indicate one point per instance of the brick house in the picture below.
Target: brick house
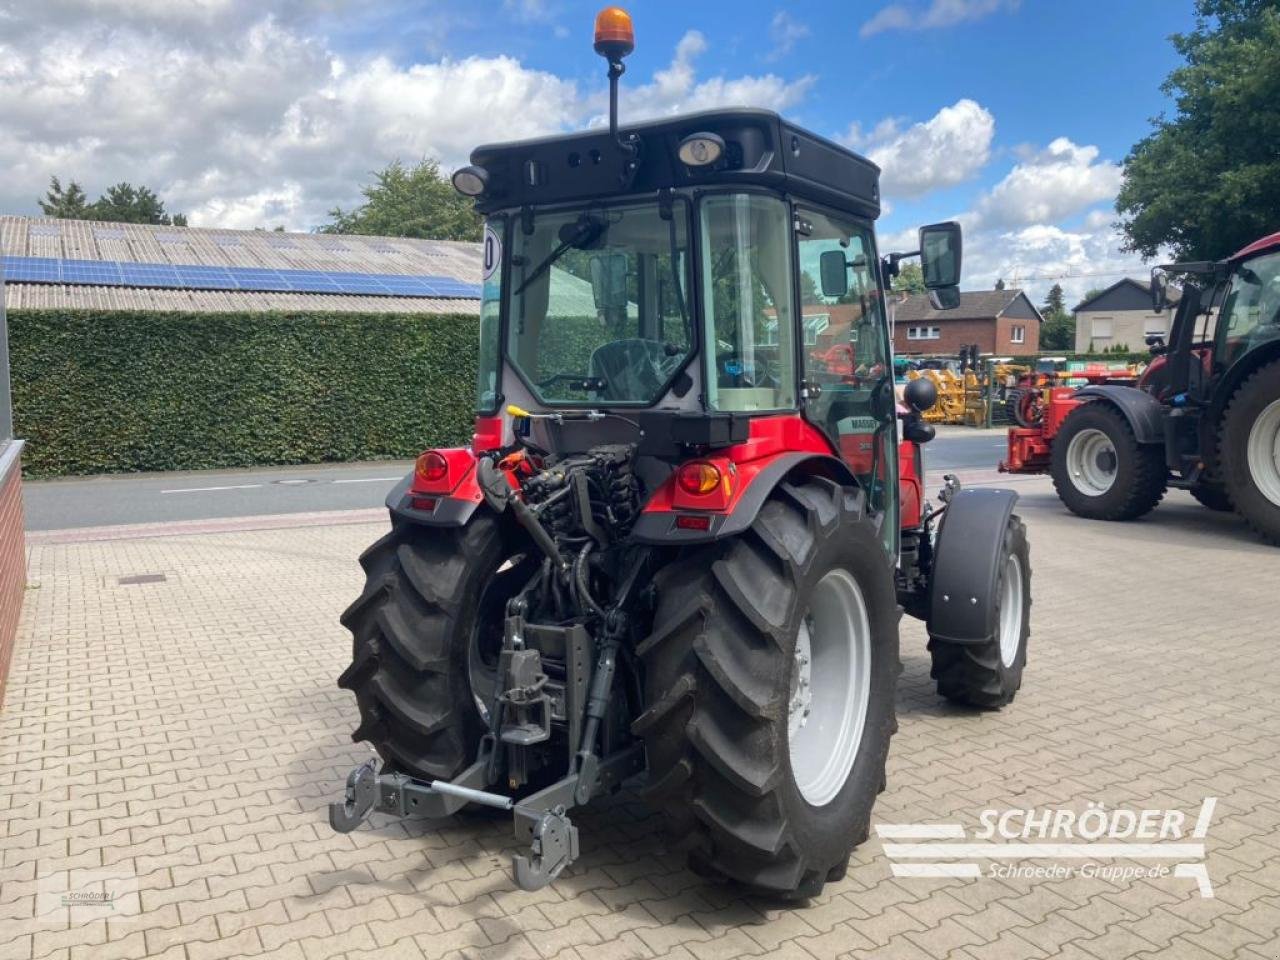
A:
(1001, 322)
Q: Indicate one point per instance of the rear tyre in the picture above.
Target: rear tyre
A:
(989, 673)
(419, 632)
(1021, 407)
(769, 680)
(1249, 451)
(1212, 496)
(1099, 469)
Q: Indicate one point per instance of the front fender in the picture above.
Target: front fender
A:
(966, 566)
(659, 526)
(1144, 412)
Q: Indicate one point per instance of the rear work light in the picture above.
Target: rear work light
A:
(699, 478)
(432, 467)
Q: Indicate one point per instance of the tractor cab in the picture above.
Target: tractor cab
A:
(692, 282)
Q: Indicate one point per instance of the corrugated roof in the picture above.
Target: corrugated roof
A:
(141, 243)
(974, 305)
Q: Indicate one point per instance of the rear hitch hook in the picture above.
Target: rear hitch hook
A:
(554, 847)
(362, 792)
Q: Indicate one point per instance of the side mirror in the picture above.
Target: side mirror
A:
(940, 249)
(1159, 290)
(921, 394)
(945, 298)
(833, 270)
(609, 281)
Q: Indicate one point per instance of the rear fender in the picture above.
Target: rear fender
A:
(966, 566)
(1144, 412)
(659, 526)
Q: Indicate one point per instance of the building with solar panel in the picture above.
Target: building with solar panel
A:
(76, 264)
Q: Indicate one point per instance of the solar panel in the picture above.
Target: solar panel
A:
(208, 277)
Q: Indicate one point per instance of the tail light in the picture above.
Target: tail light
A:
(432, 468)
(699, 478)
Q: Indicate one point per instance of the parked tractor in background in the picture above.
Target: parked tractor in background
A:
(679, 542)
(1204, 416)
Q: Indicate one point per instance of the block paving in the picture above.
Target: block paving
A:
(175, 742)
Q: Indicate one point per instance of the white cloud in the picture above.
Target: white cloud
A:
(244, 119)
(677, 89)
(785, 31)
(945, 150)
(939, 13)
(1049, 185)
(1036, 257)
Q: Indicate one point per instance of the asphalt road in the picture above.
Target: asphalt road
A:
(206, 495)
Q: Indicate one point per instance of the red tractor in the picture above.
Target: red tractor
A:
(1204, 416)
(679, 544)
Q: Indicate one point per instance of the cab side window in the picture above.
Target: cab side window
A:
(848, 370)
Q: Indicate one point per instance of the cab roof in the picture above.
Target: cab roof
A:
(1258, 246)
(761, 149)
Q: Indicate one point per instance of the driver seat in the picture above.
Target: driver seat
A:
(632, 369)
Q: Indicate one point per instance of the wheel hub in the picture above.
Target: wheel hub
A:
(1092, 462)
(1264, 452)
(830, 688)
(800, 705)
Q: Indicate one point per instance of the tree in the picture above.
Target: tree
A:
(1059, 329)
(1000, 283)
(910, 279)
(68, 204)
(1207, 181)
(409, 202)
(123, 203)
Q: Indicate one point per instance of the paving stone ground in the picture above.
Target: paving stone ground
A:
(171, 744)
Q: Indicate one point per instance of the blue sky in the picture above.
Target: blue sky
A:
(1010, 115)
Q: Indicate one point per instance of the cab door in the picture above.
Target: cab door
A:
(847, 364)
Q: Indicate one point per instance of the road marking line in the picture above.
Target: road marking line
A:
(369, 480)
(237, 486)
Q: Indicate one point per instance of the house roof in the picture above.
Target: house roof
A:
(55, 263)
(974, 305)
(1123, 284)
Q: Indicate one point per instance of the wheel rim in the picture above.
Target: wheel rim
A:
(1264, 453)
(486, 635)
(1091, 462)
(830, 688)
(1011, 610)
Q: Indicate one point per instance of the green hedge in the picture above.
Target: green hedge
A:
(108, 391)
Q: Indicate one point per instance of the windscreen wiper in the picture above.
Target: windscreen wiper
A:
(583, 231)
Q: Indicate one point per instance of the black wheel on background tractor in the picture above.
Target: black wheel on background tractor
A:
(1249, 450)
(426, 629)
(1213, 496)
(1020, 406)
(770, 676)
(988, 673)
(1099, 469)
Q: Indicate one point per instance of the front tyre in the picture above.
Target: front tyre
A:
(769, 684)
(1249, 447)
(1099, 469)
(988, 673)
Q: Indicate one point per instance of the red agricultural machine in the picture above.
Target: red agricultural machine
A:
(679, 543)
(1204, 416)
